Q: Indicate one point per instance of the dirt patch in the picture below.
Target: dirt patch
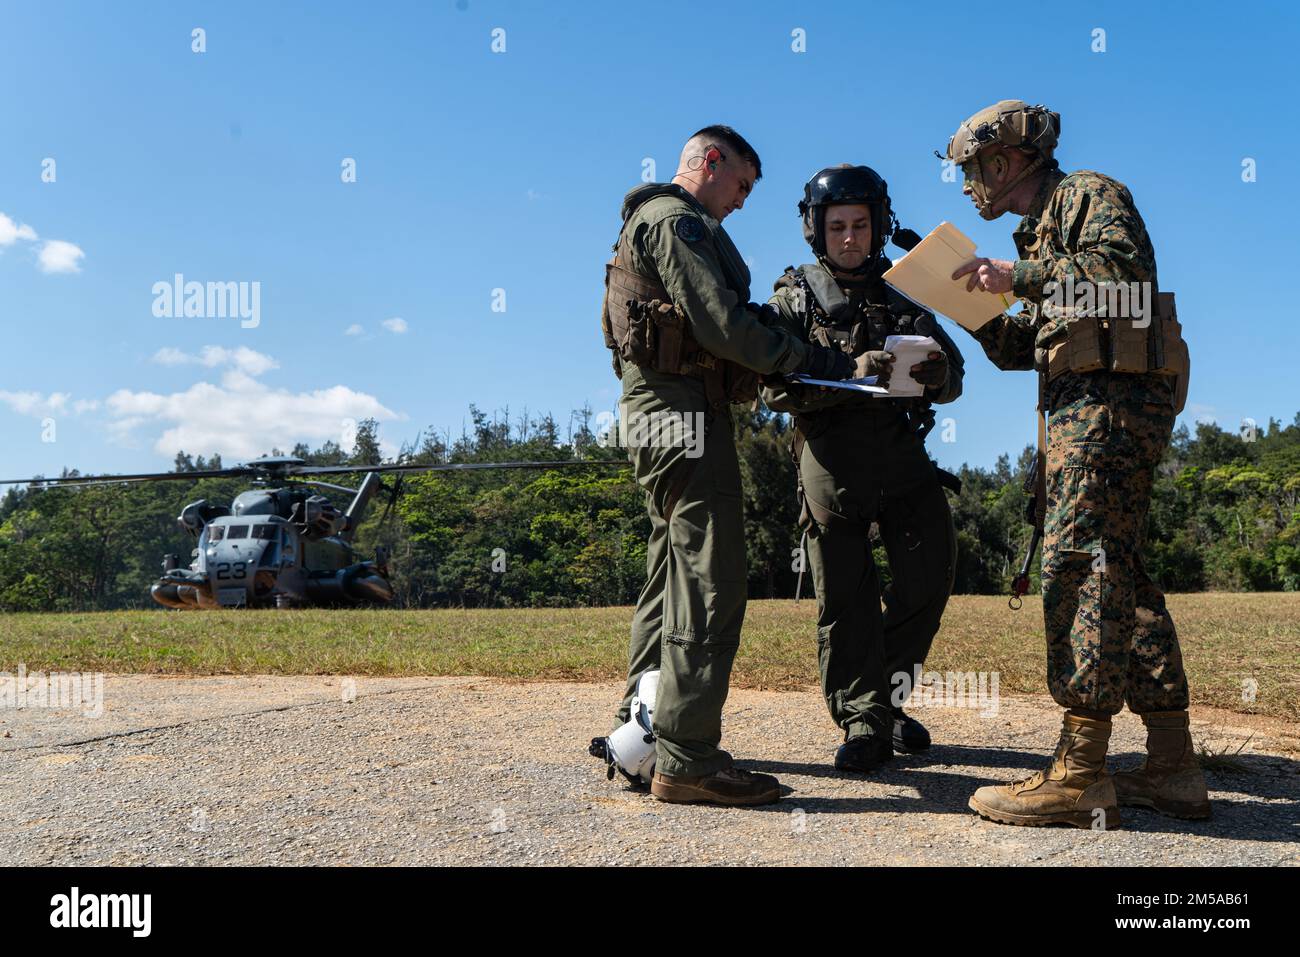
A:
(321, 770)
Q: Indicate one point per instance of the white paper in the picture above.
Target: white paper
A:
(907, 352)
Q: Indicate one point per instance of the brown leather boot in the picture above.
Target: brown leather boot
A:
(1170, 779)
(1075, 788)
(729, 786)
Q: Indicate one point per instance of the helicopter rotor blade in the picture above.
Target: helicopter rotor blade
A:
(338, 488)
(452, 467)
(281, 472)
(72, 481)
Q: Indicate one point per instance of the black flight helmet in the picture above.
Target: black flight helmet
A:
(838, 185)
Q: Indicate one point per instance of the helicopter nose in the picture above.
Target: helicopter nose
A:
(232, 570)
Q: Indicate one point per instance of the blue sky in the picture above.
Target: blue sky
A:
(478, 171)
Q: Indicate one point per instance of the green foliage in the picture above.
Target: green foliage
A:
(1225, 515)
(1226, 511)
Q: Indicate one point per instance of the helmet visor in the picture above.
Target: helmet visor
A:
(855, 184)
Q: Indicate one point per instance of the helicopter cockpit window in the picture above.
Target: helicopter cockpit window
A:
(216, 532)
(237, 531)
(265, 533)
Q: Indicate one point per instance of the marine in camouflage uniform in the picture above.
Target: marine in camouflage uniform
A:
(686, 342)
(1108, 384)
(862, 460)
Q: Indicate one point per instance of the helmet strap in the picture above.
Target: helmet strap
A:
(988, 202)
(870, 265)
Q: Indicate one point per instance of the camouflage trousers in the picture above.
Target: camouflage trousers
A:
(1110, 638)
(689, 614)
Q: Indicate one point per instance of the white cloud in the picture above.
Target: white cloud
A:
(396, 326)
(58, 256)
(354, 330)
(11, 232)
(171, 356)
(39, 405)
(237, 380)
(119, 433)
(35, 403)
(54, 256)
(241, 418)
(244, 359)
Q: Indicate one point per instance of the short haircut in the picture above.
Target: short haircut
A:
(725, 136)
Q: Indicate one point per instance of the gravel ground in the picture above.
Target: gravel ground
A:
(284, 770)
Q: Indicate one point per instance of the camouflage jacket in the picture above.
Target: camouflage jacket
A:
(1080, 226)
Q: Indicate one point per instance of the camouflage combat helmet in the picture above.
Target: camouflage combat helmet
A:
(1006, 123)
(846, 184)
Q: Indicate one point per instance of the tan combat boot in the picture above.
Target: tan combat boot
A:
(1170, 780)
(1075, 789)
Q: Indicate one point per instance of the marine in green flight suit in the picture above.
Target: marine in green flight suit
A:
(862, 460)
(686, 343)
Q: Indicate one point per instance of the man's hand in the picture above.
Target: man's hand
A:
(877, 363)
(824, 363)
(991, 275)
(933, 372)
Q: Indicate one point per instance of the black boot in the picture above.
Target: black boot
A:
(910, 736)
(863, 754)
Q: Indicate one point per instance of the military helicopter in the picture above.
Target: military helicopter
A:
(281, 547)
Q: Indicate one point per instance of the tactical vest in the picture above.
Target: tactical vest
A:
(1090, 340)
(831, 319)
(641, 324)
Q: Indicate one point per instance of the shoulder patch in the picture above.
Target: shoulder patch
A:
(689, 229)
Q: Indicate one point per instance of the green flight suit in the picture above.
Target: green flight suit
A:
(862, 460)
(689, 614)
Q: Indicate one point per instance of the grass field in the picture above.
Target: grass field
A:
(1226, 638)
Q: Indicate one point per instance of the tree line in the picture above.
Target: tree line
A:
(1225, 516)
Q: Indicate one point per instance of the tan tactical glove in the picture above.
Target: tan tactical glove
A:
(877, 363)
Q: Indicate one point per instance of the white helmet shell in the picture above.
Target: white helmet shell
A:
(643, 705)
(632, 747)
